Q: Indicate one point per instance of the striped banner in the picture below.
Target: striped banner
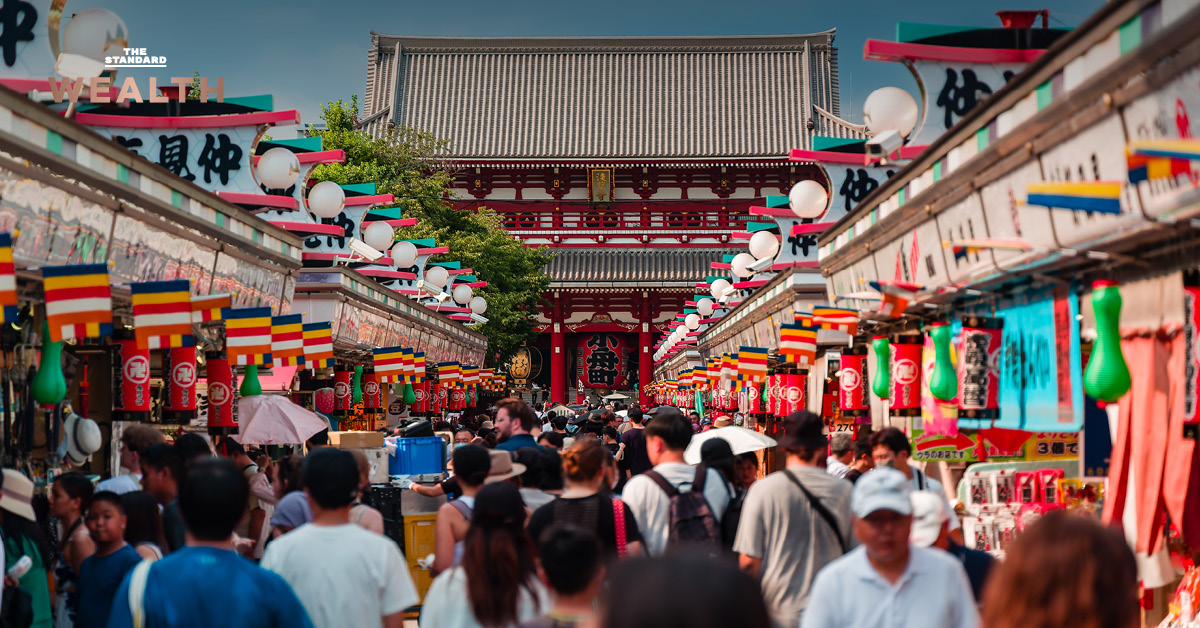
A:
(450, 374)
(389, 364)
(798, 344)
(318, 345)
(78, 301)
(418, 368)
(409, 366)
(8, 280)
(209, 308)
(162, 314)
(247, 335)
(752, 363)
(287, 340)
(836, 318)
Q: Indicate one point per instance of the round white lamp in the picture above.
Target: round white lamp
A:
(278, 168)
(436, 276)
(326, 199)
(764, 244)
(718, 288)
(404, 254)
(692, 321)
(462, 294)
(704, 307)
(741, 265)
(95, 34)
(808, 199)
(890, 109)
(379, 235)
(478, 305)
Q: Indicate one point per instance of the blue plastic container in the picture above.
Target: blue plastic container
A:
(418, 456)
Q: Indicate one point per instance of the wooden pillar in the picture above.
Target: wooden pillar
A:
(558, 357)
(645, 359)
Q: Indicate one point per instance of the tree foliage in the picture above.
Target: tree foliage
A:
(404, 163)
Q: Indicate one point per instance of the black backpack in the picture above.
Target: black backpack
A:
(731, 518)
(692, 522)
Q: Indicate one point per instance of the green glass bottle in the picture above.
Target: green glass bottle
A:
(49, 385)
(943, 384)
(1106, 377)
(881, 381)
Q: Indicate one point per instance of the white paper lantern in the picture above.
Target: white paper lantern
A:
(478, 305)
(741, 265)
(95, 34)
(462, 294)
(705, 307)
(278, 168)
(808, 199)
(404, 254)
(379, 235)
(717, 288)
(692, 321)
(326, 199)
(764, 244)
(890, 109)
(436, 276)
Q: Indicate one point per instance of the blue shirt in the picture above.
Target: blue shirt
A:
(98, 581)
(978, 566)
(517, 441)
(200, 587)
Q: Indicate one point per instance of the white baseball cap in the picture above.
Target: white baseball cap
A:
(881, 489)
(929, 515)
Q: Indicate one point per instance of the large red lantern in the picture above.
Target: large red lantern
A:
(852, 384)
(792, 394)
(421, 393)
(372, 393)
(1191, 355)
(601, 360)
(342, 392)
(179, 379)
(754, 400)
(220, 393)
(905, 395)
(131, 379)
(458, 399)
(978, 368)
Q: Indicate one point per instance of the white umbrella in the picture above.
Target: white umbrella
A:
(615, 397)
(275, 420)
(741, 440)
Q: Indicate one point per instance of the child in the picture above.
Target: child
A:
(572, 566)
(101, 574)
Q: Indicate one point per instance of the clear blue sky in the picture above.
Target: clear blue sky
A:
(306, 52)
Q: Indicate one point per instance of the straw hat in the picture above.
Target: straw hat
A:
(723, 421)
(17, 494)
(503, 467)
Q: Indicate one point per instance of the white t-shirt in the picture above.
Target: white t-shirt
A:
(651, 506)
(448, 605)
(344, 575)
(836, 468)
(932, 593)
(121, 484)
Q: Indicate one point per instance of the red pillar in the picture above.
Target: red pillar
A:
(645, 359)
(558, 355)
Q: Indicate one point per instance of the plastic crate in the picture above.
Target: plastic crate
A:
(418, 456)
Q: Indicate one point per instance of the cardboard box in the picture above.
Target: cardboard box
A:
(355, 440)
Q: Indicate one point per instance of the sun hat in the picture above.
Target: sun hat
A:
(503, 466)
(723, 421)
(17, 494)
(881, 489)
(81, 439)
(486, 425)
(929, 515)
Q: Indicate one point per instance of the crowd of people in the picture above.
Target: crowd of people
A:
(550, 521)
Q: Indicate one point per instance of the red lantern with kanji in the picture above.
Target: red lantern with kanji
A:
(131, 379)
(343, 392)
(852, 382)
(220, 392)
(906, 375)
(1191, 355)
(754, 399)
(179, 380)
(792, 398)
(372, 393)
(978, 368)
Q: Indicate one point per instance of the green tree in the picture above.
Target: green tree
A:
(404, 163)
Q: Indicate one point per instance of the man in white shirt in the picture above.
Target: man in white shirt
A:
(891, 448)
(134, 440)
(667, 436)
(345, 575)
(841, 446)
(887, 581)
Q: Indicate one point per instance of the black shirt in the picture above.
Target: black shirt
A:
(853, 475)
(635, 451)
(594, 513)
(451, 488)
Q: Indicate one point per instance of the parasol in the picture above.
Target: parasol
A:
(615, 397)
(275, 420)
(741, 440)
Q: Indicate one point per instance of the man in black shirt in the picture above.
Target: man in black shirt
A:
(634, 440)
(863, 461)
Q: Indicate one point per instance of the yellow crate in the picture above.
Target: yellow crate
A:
(418, 543)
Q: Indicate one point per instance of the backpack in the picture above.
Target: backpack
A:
(691, 519)
(731, 518)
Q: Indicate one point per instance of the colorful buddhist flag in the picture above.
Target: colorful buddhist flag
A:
(247, 335)
(78, 301)
(449, 373)
(418, 368)
(836, 318)
(752, 363)
(804, 318)
(162, 314)
(287, 340)
(895, 295)
(389, 364)
(209, 308)
(8, 280)
(318, 345)
(1091, 196)
(1184, 149)
(798, 344)
(1146, 168)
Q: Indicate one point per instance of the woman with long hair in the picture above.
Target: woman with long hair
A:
(69, 497)
(143, 527)
(471, 466)
(24, 537)
(1065, 571)
(498, 575)
(588, 468)
(293, 510)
